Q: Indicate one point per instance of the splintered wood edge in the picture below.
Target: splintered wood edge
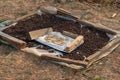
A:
(69, 61)
(110, 47)
(14, 41)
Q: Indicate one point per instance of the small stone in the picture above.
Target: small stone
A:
(78, 53)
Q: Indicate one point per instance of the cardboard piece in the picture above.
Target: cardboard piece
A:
(37, 33)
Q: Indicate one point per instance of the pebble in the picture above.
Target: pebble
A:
(78, 53)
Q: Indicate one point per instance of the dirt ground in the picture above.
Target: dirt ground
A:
(16, 65)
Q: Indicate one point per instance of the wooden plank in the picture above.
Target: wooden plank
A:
(37, 33)
(98, 26)
(109, 51)
(67, 13)
(72, 66)
(37, 52)
(98, 52)
(69, 61)
(52, 57)
(105, 48)
(74, 44)
(104, 51)
(14, 41)
(72, 35)
(88, 59)
(25, 16)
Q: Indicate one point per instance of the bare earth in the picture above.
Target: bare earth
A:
(15, 65)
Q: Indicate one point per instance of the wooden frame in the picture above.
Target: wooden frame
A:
(113, 43)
